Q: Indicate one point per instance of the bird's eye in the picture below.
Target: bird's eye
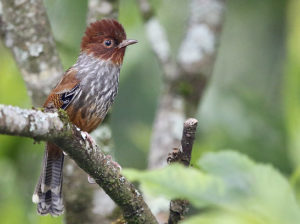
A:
(107, 43)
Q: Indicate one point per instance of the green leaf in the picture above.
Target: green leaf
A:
(268, 193)
(232, 184)
(177, 181)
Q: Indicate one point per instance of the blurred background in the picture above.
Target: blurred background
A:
(251, 103)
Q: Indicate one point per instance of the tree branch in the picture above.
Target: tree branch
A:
(102, 9)
(187, 140)
(55, 128)
(178, 207)
(186, 78)
(198, 51)
(26, 31)
(183, 155)
(170, 110)
(158, 39)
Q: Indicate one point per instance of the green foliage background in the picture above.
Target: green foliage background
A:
(251, 103)
(231, 187)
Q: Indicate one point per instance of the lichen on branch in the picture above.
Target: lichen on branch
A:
(55, 128)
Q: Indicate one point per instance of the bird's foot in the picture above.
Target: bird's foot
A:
(86, 135)
(117, 165)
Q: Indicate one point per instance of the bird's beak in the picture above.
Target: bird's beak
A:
(125, 43)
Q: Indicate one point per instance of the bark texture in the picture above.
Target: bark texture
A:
(178, 207)
(26, 31)
(102, 9)
(55, 128)
(186, 77)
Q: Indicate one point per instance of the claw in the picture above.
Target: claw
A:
(117, 165)
(91, 180)
(86, 135)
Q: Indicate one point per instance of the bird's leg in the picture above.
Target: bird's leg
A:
(86, 135)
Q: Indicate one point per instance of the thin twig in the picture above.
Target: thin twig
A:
(187, 140)
(178, 207)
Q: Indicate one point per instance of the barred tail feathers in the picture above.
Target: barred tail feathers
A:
(48, 191)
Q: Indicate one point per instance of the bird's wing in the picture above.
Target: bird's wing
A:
(65, 91)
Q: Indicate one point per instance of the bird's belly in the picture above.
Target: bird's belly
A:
(91, 104)
(88, 110)
(85, 118)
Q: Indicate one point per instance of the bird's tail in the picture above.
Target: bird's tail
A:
(48, 191)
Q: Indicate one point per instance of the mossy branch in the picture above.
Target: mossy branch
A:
(56, 128)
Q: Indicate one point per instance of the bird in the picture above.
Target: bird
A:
(86, 91)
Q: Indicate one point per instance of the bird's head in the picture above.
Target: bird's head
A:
(106, 40)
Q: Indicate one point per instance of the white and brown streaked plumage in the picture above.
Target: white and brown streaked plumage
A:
(86, 91)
